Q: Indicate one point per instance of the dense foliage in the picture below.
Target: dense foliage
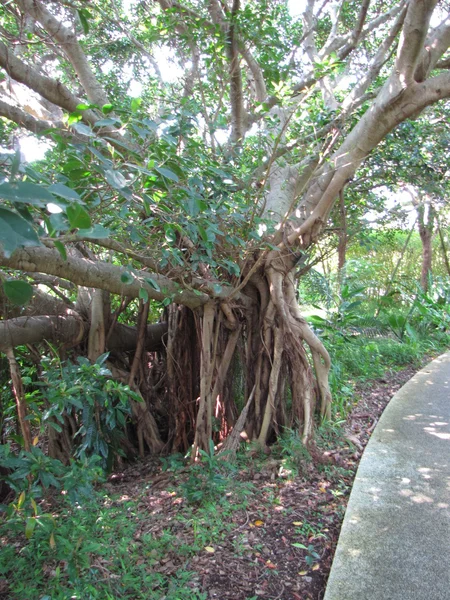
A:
(204, 161)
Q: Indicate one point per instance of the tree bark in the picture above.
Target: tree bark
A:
(19, 395)
(425, 220)
(443, 246)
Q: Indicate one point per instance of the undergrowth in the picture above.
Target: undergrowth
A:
(63, 537)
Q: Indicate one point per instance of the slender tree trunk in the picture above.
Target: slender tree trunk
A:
(396, 268)
(443, 246)
(142, 327)
(20, 399)
(426, 226)
(342, 245)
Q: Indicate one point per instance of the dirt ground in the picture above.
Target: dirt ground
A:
(281, 545)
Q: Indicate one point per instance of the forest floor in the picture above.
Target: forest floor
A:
(280, 544)
(263, 527)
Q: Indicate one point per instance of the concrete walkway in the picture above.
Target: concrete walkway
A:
(395, 540)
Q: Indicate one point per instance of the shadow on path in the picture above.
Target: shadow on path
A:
(395, 539)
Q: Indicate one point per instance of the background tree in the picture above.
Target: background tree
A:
(205, 194)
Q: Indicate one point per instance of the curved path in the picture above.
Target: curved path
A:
(395, 539)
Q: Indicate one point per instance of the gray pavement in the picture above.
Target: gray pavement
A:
(395, 540)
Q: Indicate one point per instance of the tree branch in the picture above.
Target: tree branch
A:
(412, 39)
(53, 91)
(436, 44)
(236, 95)
(389, 109)
(104, 276)
(375, 65)
(24, 119)
(69, 329)
(69, 42)
(384, 18)
(260, 84)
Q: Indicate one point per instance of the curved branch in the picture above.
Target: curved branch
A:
(50, 89)
(125, 338)
(260, 84)
(375, 65)
(24, 119)
(101, 275)
(236, 96)
(413, 37)
(63, 329)
(70, 329)
(389, 110)
(69, 42)
(437, 42)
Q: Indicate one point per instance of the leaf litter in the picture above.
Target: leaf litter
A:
(274, 539)
(281, 545)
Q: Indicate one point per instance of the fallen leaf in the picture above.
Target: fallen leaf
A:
(209, 549)
(303, 573)
(258, 523)
(270, 565)
(297, 523)
(316, 567)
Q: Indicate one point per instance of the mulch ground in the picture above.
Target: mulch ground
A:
(281, 546)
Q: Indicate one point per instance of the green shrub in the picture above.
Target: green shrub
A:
(100, 404)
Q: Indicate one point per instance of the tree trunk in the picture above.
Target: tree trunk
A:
(443, 247)
(276, 339)
(342, 244)
(426, 226)
(19, 395)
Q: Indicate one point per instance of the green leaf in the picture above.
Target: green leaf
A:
(143, 294)
(78, 217)
(15, 165)
(23, 191)
(167, 173)
(29, 527)
(83, 15)
(97, 231)
(17, 291)
(115, 179)
(61, 190)
(74, 118)
(16, 232)
(61, 249)
(58, 222)
(82, 129)
(127, 278)
(169, 234)
(202, 233)
(135, 104)
(107, 123)
(152, 283)
(107, 108)
(102, 358)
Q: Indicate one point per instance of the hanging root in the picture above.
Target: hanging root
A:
(147, 428)
(19, 395)
(285, 335)
(273, 387)
(203, 431)
(320, 356)
(278, 343)
(233, 440)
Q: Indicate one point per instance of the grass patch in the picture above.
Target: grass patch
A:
(114, 547)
